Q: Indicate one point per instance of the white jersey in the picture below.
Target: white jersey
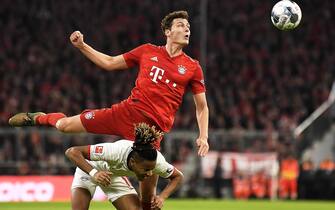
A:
(113, 157)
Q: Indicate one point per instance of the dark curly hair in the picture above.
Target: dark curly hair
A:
(145, 136)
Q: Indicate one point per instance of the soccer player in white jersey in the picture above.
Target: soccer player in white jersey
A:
(108, 164)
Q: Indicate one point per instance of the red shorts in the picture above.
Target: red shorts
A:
(288, 187)
(118, 120)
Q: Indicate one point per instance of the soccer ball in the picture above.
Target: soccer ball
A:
(286, 15)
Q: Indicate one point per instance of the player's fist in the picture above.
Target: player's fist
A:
(203, 146)
(157, 202)
(77, 39)
(103, 178)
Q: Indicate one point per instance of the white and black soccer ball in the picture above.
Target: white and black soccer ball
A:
(286, 15)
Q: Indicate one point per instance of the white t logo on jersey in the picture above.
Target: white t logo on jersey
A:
(156, 73)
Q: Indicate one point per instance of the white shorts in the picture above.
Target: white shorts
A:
(119, 186)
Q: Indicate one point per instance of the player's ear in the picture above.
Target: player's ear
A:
(167, 32)
(132, 161)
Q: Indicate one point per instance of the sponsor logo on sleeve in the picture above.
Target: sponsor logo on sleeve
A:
(99, 150)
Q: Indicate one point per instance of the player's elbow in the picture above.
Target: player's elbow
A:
(110, 64)
(202, 109)
(181, 177)
(70, 152)
(115, 63)
(201, 105)
(178, 176)
(205, 108)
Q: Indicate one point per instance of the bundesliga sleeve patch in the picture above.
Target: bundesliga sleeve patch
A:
(99, 150)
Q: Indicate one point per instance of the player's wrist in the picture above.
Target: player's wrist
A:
(81, 46)
(93, 172)
(163, 196)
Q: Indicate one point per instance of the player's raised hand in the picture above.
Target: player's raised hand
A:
(203, 146)
(103, 178)
(157, 202)
(77, 39)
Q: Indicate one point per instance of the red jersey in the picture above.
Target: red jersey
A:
(161, 82)
(289, 169)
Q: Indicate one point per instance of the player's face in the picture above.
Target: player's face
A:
(143, 169)
(180, 31)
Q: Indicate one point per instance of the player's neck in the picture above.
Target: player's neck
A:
(173, 49)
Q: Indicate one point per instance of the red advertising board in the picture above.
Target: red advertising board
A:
(38, 188)
(35, 188)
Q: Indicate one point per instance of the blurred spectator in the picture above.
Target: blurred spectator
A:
(217, 180)
(24, 168)
(241, 186)
(325, 179)
(259, 184)
(306, 181)
(289, 172)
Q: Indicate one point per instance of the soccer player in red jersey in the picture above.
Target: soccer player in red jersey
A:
(164, 74)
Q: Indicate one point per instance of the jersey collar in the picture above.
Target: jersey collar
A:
(167, 54)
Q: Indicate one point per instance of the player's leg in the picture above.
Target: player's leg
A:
(122, 194)
(61, 122)
(148, 190)
(283, 188)
(57, 120)
(80, 199)
(24, 119)
(120, 121)
(127, 202)
(293, 189)
(70, 125)
(82, 190)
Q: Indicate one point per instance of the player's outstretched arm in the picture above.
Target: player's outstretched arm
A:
(77, 156)
(102, 60)
(202, 114)
(175, 180)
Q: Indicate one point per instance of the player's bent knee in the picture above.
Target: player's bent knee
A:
(63, 125)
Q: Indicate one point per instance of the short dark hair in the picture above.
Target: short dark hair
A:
(145, 136)
(168, 19)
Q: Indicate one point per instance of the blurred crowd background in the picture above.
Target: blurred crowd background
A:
(259, 79)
